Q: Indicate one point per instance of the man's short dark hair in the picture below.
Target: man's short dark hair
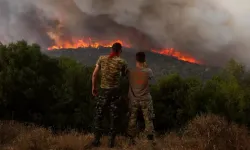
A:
(116, 47)
(140, 57)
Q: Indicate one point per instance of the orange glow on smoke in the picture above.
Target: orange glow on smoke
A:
(88, 42)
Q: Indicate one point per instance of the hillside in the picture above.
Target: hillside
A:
(161, 64)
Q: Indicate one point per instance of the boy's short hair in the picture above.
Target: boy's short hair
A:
(140, 57)
(116, 47)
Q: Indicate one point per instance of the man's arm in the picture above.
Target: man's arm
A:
(94, 76)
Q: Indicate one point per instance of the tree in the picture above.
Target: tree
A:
(76, 102)
(174, 101)
(225, 94)
(28, 78)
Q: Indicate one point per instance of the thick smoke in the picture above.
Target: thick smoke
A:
(22, 20)
(212, 31)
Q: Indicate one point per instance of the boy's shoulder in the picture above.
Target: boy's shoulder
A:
(145, 70)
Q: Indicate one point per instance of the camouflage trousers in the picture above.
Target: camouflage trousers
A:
(148, 113)
(106, 98)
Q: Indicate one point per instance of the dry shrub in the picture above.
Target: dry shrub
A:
(214, 132)
(202, 133)
(171, 141)
(9, 130)
(75, 141)
(37, 139)
(142, 145)
(71, 141)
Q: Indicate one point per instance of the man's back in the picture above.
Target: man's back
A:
(110, 70)
(139, 79)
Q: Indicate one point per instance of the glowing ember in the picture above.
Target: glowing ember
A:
(88, 42)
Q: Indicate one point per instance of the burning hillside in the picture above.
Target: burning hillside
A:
(89, 42)
(135, 39)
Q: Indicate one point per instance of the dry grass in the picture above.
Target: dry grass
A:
(203, 133)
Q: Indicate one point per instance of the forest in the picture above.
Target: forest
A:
(56, 93)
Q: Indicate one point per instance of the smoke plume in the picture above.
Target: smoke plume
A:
(210, 30)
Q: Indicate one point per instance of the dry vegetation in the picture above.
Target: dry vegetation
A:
(203, 133)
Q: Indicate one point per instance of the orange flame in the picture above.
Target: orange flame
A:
(84, 43)
(177, 54)
(88, 42)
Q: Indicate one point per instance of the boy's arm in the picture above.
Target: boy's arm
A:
(152, 80)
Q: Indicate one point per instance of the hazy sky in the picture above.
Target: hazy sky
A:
(210, 30)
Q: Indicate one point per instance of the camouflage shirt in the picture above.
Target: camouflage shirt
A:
(111, 69)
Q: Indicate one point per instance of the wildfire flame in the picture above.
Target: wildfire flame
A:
(86, 42)
(56, 34)
(172, 52)
(89, 42)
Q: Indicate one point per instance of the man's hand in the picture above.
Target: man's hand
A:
(94, 91)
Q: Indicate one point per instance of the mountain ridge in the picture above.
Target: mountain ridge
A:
(160, 64)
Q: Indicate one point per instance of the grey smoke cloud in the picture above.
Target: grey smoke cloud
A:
(22, 20)
(209, 30)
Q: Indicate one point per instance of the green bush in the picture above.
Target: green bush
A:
(175, 100)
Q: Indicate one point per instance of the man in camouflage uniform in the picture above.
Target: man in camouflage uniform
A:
(140, 98)
(111, 67)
